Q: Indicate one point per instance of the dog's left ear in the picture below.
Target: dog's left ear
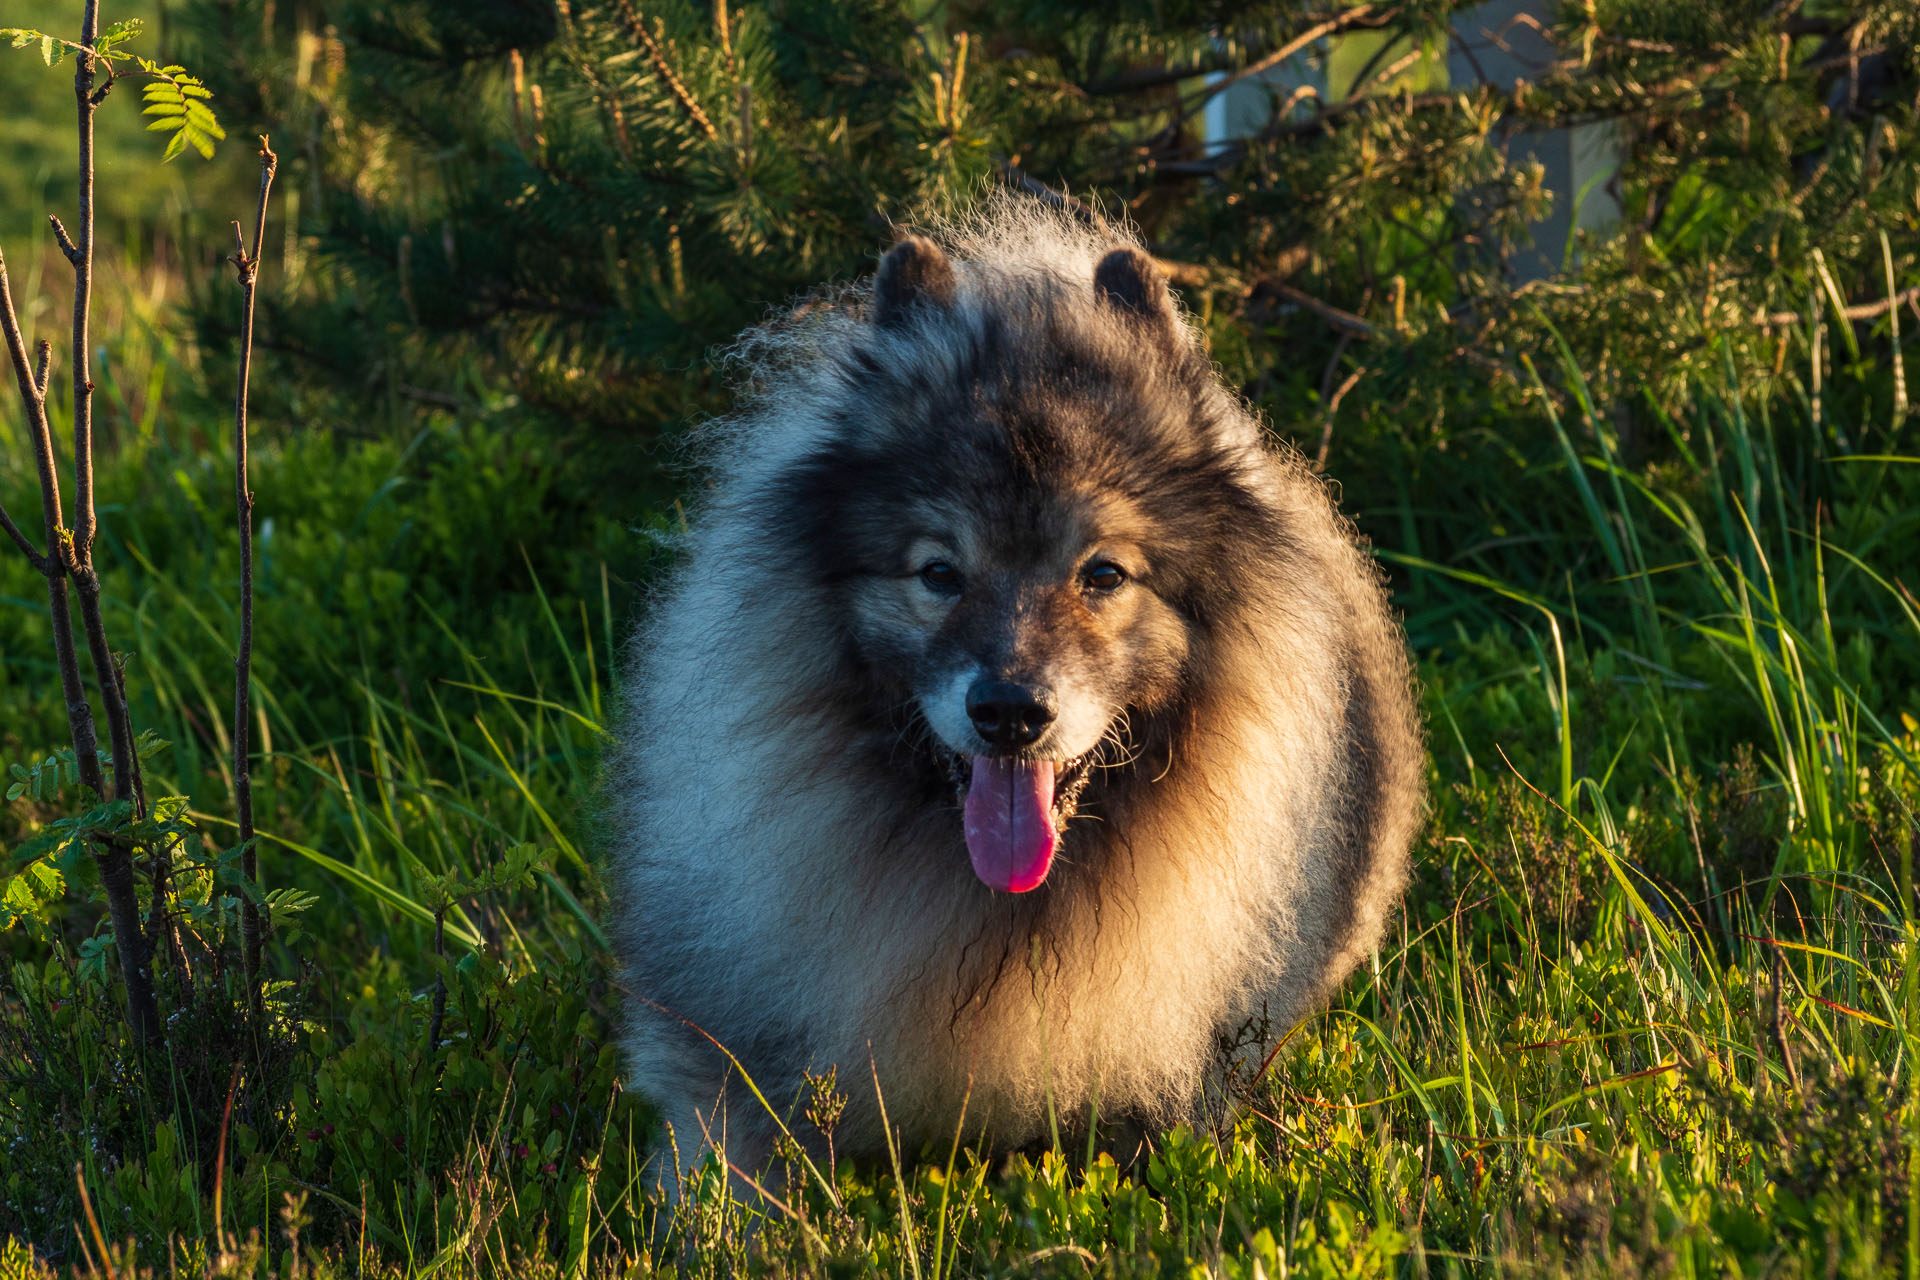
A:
(1127, 281)
(913, 274)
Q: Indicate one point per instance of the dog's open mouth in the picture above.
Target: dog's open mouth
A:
(1015, 811)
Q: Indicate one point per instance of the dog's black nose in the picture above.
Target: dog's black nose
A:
(1009, 715)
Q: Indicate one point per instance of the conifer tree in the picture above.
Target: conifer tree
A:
(576, 200)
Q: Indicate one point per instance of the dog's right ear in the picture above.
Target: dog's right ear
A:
(913, 274)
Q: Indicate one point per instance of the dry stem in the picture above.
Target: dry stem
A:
(247, 265)
(69, 554)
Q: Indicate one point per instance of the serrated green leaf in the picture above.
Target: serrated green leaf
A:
(46, 50)
(169, 122)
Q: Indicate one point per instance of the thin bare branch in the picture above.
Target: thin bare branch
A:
(75, 550)
(1365, 15)
(247, 265)
(1133, 81)
(80, 252)
(32, 391)
(76, 547)
(68, 248)
(1332, 408)
(1859, 311)
(34, 558)
(1333, 315)
(73, 691)
(1053, 197)
(43, 366)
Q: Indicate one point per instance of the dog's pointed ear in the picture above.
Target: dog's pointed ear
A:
(913, 274)
(1129, 282)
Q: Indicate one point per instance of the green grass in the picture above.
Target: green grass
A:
(1651, 1007)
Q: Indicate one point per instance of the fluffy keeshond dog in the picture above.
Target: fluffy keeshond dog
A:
(1020, 721)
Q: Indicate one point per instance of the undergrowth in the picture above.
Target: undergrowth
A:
(1650, 1009)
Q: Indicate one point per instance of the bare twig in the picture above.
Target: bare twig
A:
(247, 265)
(34, 392)
(20, 540)
(1133, 81)
(1859, 311)
(1365, 14)
(80, 253)
(73, 551)
(1054, 198)
(1333, 407)
(1325, 310)
(68, 249)
(77, 546)
(79, 712)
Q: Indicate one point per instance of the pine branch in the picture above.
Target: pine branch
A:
(638, 30)
(1366, 17)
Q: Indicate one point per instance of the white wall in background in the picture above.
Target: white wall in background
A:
(1498, 43)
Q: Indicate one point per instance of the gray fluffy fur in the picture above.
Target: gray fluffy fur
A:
(792, 885)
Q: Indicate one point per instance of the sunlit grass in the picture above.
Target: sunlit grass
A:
(1651, 1007)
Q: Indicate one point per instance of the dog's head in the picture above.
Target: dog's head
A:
(1017, 519)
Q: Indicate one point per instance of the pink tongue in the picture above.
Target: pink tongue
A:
(1010, 832)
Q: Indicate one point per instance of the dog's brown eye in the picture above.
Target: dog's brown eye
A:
(941, 577)
(1106, 576)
